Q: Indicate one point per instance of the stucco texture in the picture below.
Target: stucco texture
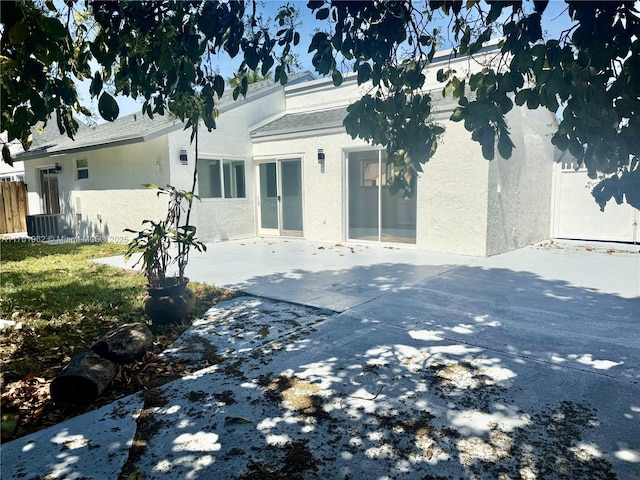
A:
(452, 196)
(520, 188)
(112, 198)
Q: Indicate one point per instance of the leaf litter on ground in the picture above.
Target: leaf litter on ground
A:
(68, 303)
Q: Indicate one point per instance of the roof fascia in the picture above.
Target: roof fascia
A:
(265, 91)
(82, 148)
(290, 135)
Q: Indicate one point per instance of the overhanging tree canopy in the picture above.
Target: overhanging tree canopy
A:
(164, 51)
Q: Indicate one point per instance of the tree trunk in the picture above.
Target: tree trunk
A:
(125, 344)
(83, 380)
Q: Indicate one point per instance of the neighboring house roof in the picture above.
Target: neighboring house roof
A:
(134, 128)
(307, 122)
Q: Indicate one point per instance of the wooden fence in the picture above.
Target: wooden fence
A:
(14, 207)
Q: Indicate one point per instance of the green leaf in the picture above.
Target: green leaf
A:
(6, 155)
(540, 5)
(218, 85)
(437, 129)
(283, 78)
(9, 423)
(267, 63)
(505, 145)
(322, 14)
(108, 107)
(560, 140)
(476, 80)
(457, 115)
(576, 149)
(364, 73)
(337, 78)
(442, 75)
(18, 33)
(448, 89)
(522, 96)
(96, 85)
(240, 420)
(495, 11)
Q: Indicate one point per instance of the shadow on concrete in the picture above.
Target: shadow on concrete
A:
(468, 373)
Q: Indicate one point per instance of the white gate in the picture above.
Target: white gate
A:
(577, 216)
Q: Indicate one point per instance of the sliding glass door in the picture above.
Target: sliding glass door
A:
(280, 209)
(374, 214)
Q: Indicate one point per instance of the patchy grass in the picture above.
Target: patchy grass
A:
(64, 303)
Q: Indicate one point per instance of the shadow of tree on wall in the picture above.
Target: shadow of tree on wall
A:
(423, 388)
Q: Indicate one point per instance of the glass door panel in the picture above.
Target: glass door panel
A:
(374, 214)
(268, 196)
(364, 178)
(281, 197)
(398, 218)
(291, 201)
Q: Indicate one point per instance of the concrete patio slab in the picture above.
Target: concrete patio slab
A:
(93, 445)
(419, 366)
(323, 275)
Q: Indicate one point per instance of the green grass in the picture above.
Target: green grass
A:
(65, 302)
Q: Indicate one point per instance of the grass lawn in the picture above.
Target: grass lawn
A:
(64, 303)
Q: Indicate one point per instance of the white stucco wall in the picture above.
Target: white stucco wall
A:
(520, 188)
(577, 216)
(452, 193)
(322, 95)
(112, 198)
(452, 196)
(322, 193)
(225, 218)
(452, 202)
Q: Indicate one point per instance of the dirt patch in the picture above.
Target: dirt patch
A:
(287, 462)
(225, 397)
(147, 428)
(297, 394)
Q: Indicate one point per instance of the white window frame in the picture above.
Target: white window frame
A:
(226, 179)
(84, 168)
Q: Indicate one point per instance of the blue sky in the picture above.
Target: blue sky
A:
(555, 20)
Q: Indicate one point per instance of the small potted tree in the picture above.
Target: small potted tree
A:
(165, 245)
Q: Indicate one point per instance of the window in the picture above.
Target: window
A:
(82, 167)
(221, 179)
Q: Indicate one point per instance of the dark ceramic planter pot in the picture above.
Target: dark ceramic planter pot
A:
(169, 304)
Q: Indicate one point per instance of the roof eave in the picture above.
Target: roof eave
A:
(298, 133)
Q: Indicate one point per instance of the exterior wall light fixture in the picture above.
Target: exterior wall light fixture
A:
(321, 159)
(184, 160)
(58, 168)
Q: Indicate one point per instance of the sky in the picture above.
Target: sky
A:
(555, 20)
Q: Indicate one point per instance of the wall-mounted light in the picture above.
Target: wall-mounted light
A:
(58, 168)
(321, 159)
(184, 160)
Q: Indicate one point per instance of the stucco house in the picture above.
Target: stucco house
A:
(281, 164)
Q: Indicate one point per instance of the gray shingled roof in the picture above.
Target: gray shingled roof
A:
(128, 129)
(132, 128)
(302, 122)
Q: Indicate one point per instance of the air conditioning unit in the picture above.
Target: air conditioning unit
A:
(44, 225)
